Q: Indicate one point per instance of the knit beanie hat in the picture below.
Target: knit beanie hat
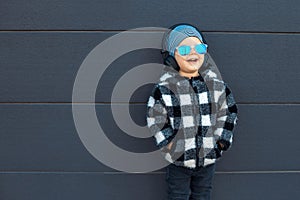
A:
(178, 34)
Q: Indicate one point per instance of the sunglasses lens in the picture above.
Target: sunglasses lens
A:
(201, 48)
(184, 50)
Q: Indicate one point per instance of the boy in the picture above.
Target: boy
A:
(191, 114)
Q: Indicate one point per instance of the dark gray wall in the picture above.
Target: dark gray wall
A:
(256, 45)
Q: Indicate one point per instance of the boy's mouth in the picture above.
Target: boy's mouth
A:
(192, 60)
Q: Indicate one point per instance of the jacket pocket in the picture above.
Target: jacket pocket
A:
(218, 152)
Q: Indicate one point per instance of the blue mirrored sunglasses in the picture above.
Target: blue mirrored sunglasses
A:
(185, 50)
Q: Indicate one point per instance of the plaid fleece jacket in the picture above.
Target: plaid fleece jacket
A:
(189, 117)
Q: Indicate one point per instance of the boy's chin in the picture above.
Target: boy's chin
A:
(195, 65)
(194, 68)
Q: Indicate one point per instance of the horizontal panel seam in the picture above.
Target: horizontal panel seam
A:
(124, 173)
(129, 103)
(159, 30)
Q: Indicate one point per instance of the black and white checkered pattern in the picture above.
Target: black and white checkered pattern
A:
(189, 116)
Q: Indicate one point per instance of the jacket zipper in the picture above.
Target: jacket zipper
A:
(196, 109)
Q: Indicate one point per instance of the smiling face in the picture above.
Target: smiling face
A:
(189, 64)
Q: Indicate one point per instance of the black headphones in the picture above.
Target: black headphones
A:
(168, 59)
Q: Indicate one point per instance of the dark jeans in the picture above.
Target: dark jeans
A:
(189, 184)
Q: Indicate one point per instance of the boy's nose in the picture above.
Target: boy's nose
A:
(193, 51)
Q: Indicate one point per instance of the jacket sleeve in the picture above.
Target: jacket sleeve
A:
(226, 119)
(158, 120)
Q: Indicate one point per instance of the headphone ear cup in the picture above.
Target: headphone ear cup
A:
(164, 54)
(170, 61)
